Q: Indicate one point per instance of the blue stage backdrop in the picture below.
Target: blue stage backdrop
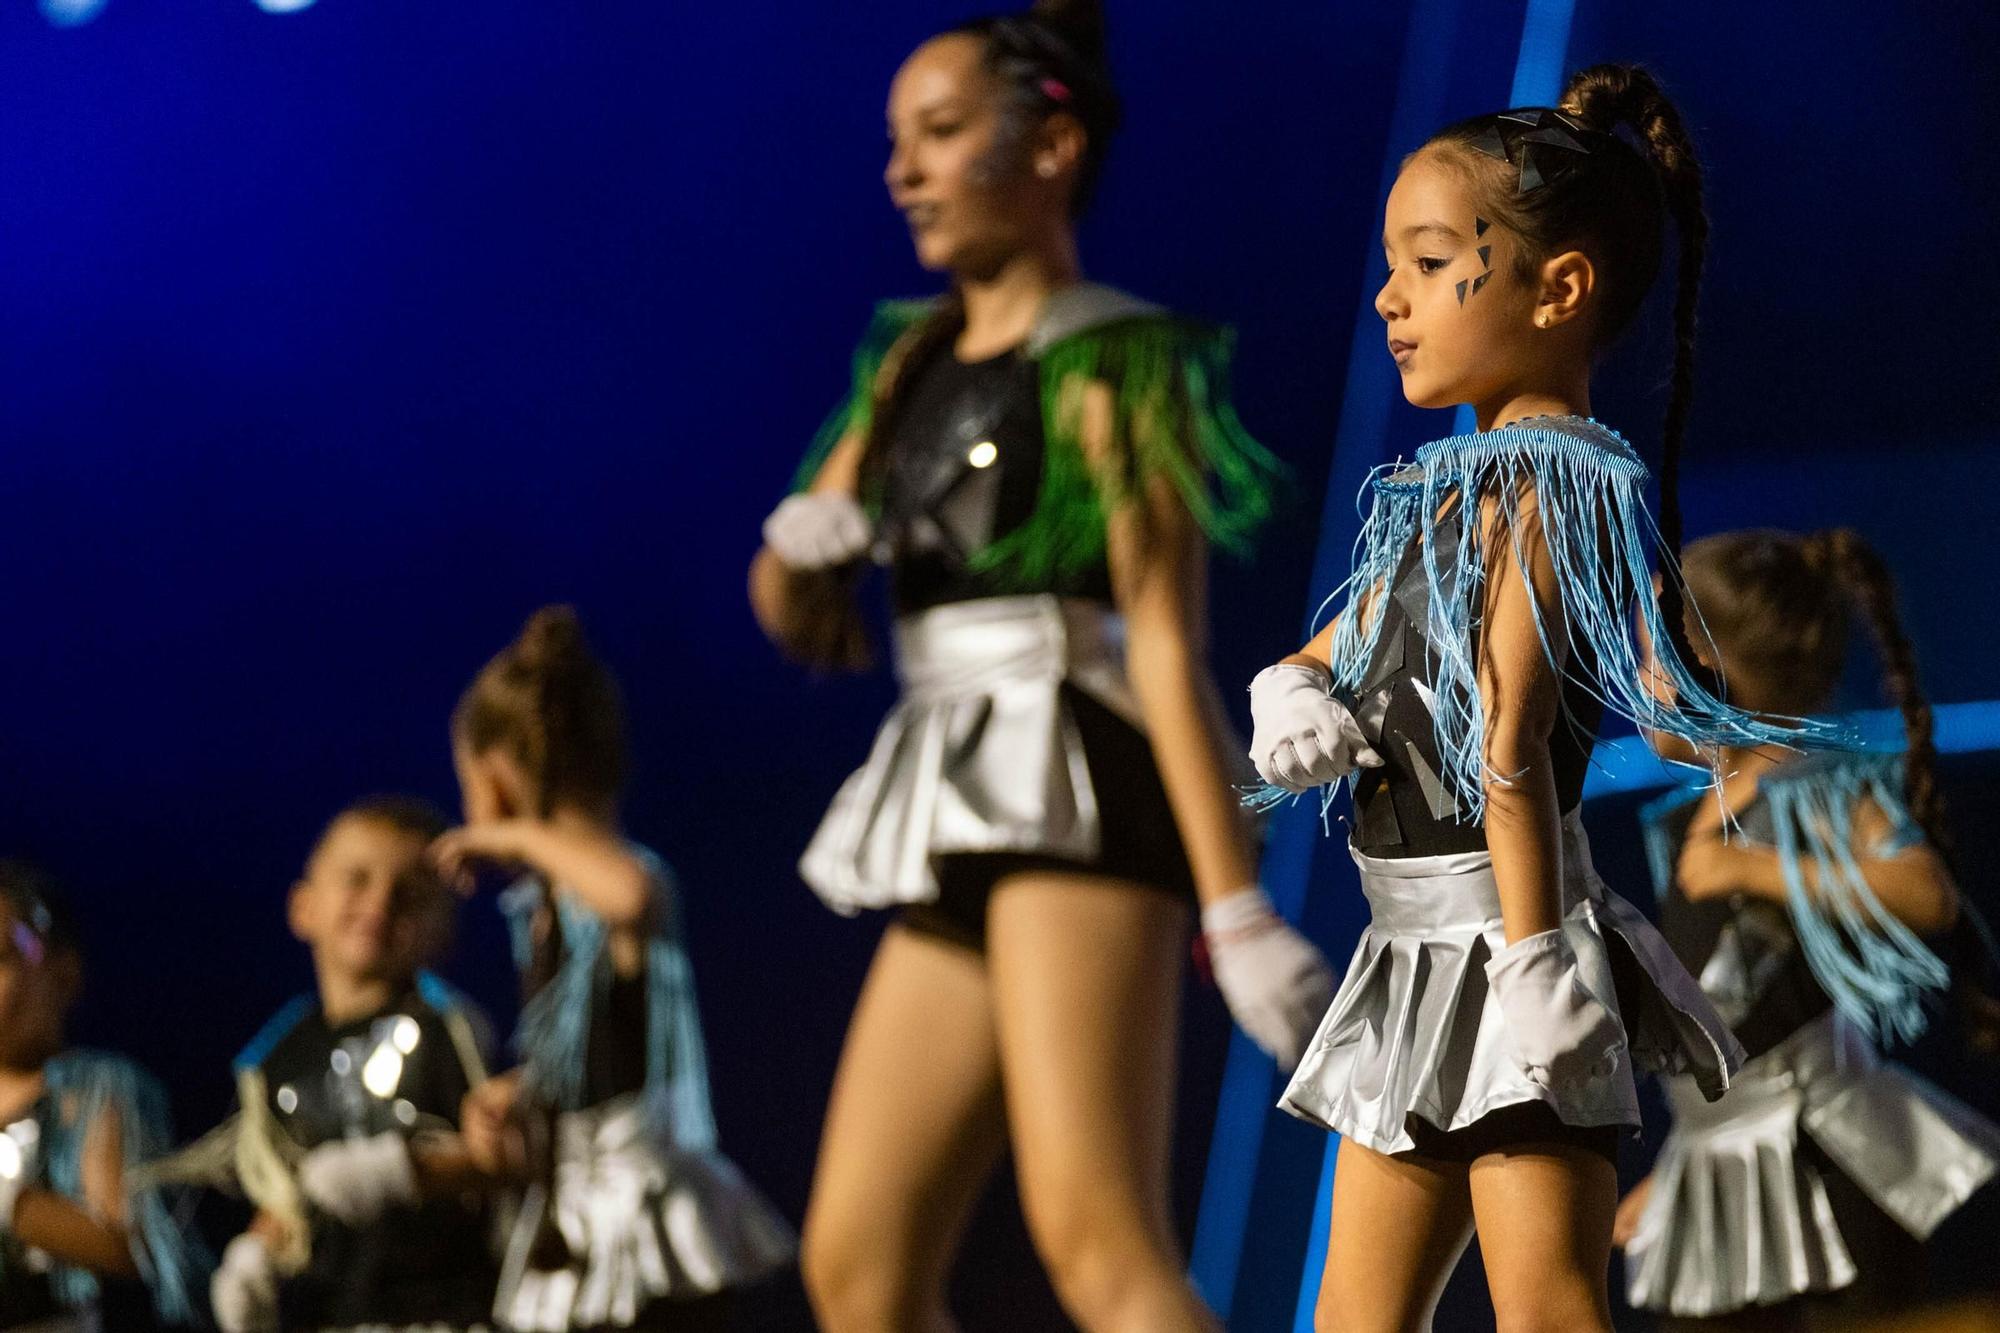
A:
(333, 342)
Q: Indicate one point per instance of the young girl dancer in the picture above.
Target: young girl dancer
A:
(632, 1217)
(1041, 462)
(1478, 1060)
(1805, 1195)
(78, 1251)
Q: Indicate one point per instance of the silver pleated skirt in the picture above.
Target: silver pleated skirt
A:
(644, 1221)
(1737, 1218)
(1414, 1031)
(980, 754)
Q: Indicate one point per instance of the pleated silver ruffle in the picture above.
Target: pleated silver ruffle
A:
(1738, 1219)
(981, 754)
(643, 1220)
(1414, 1031)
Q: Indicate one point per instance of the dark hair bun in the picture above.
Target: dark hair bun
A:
(553, 636)
(1080, 23)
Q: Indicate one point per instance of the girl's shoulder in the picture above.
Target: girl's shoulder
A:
(82, 1083)
(1092, 308)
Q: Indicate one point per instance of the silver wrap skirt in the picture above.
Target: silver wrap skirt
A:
(980, 754)
(1415, 1031)
(1738, 1218)
(644, 1221)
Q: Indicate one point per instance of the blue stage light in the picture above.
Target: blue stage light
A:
(69, 13)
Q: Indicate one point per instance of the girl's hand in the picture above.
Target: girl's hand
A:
(1276, 983)
(489, 1127)
(244, 1291)
(1625, 1223)
(457, 853)
(1304, 737)
(821, 530)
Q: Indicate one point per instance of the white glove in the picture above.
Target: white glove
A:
(244, 1290)
(13, 1178)
(357, 1180)
(1276, 984)
(1562, 1032)
(1303, 736)
(819, 530)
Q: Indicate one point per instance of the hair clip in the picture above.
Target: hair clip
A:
(30, 945)
(1055, 89)
(1544, 143)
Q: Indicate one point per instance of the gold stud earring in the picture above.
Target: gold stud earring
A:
(1542, 320)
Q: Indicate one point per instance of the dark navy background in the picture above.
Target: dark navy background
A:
(331, 344)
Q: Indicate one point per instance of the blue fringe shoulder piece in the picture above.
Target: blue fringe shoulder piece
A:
(1589, 487)
(1878, 971)
(553, 1039)
(82, 1086)
(276, 1029)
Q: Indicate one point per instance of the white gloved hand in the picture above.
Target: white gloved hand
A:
(1562, 1032)
(357, 1180)
(1303, 736)
(13, 1178)
(818, 530)
(1276, 984)
(244, 1290)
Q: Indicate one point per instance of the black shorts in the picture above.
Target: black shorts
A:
(1517, 1127)
(1140, 843)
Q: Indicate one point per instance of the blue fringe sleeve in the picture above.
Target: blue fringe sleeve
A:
(1878, 971)
(1589, 487)
(82, 1086)
(554, 1034)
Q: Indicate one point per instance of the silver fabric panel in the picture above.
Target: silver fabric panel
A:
(642, 1219)
(1738, 1219)
(980, 754)
(1071, 310)
(1414, 1031)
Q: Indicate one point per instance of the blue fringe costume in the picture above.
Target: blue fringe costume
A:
(80, 1087)
(651, 1212)
(1399, 1045)
(1741, 1212)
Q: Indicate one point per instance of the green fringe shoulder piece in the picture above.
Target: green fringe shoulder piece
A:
(1172, 418)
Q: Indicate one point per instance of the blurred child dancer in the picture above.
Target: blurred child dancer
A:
(78, 1252)
(632, 1218)
(1829, 926)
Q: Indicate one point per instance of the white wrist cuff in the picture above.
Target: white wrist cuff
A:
(1247, 907)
